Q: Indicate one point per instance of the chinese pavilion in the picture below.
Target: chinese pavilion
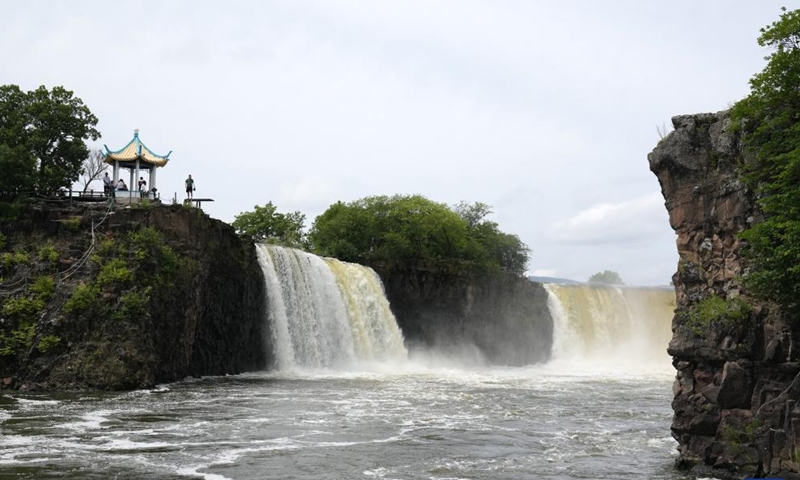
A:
(135, 156)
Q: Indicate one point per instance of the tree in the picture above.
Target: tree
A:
(48, 129)
(607, 276)
(93, 166)
(267, 224)
(407, 231)
(769, 121)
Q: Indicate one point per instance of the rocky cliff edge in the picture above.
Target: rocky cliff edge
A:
(736, 410)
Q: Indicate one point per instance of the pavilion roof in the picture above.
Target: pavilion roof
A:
(133, 150)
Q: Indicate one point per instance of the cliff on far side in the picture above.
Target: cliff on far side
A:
(736, 409)
(503, 318)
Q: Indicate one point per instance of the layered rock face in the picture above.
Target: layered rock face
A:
(736, 404)
(502, 319)
(137, 297)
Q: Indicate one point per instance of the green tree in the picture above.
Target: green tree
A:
(769, 120)
(267, 224)
(410, 230)
(607, 276)
(42, 137)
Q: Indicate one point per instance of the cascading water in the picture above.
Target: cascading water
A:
(325, 313)
(626, 326)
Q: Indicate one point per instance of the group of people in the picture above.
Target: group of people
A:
(108, 186)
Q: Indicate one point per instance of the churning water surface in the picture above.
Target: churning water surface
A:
(346, 402)
(388, 422)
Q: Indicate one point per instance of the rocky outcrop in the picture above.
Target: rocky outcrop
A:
(126, 299)
(736, 407)
(500, 318)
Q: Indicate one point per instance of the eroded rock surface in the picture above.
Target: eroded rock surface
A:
(736, 408)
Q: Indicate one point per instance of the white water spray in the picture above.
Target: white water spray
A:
(324, 313)
(624, 328)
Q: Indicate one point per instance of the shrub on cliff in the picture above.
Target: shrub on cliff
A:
(267, 224)
(410, 230)
(769, 118)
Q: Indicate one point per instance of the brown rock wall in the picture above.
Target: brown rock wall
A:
(736, 388)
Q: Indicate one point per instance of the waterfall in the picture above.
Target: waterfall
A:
(603, 323)
(323, 313)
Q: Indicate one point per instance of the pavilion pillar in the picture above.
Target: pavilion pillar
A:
(136, 176)
(152, 177)
(116, 173)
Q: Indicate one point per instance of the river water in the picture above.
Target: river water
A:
(346, 400)
(385, 422)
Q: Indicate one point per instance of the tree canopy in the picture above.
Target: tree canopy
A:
(410, 230)
(607, 276)
(42, 138)
(267, 224)
(769, 120)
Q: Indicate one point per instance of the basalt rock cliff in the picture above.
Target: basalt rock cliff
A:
(736, 410)
(125, 299)
(499, 318)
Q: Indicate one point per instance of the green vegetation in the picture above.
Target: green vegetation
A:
(115, 272)
(42, 138)
(11, 259)
(716, 312)
(43, 288)
(406, 230)
(84, 298)
(72, 224)
(607, 276)
(47, 343)
(48, 253)
(267, 224)
(769, 119)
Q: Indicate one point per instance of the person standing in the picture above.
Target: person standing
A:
(108, 185)
(189, 187)
(142, 187)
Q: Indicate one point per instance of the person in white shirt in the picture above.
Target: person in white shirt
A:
(108, 185)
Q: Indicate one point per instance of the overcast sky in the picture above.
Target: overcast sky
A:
(545, 110)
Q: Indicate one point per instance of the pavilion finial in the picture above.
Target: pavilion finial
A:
(135, 132)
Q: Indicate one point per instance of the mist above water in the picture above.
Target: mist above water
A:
(618, 328)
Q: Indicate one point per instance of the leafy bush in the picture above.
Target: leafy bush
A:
(133, 304)
(84, 297)
(3, 240)
(715, 311)
(19, 341)
(10, 259)
(23, 308)
(267, 224)
(73, 224)
(115, 272)
(48, 253)
(47, 343)
(43, 288)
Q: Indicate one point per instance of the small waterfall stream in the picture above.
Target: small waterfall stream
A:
(618, 325)
(324, 313)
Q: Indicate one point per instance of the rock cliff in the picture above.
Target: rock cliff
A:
(502, 318)
(125, 300)
(736, 408)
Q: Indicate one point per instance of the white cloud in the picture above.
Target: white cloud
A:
(633, 221)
